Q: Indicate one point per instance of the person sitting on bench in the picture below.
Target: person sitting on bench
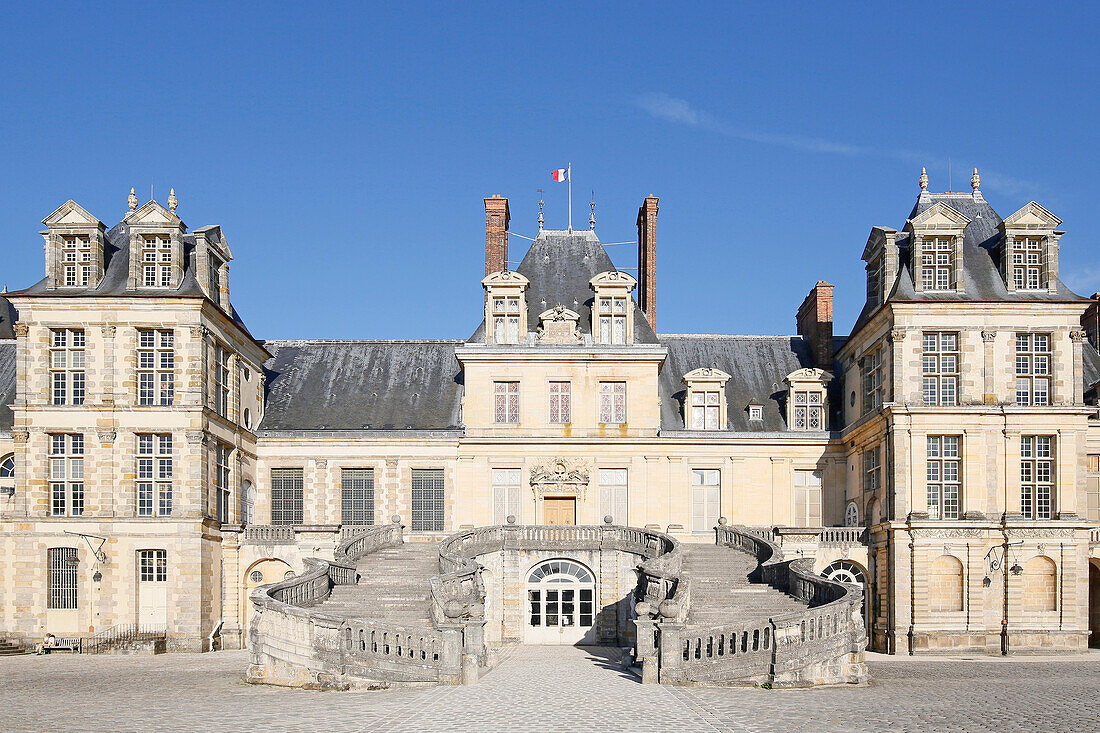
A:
(47, 644)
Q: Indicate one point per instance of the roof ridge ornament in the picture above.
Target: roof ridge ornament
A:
(592, 216)
(975, 180)
(131, 200)
(172, 201)
(923, 180)
(542, 219)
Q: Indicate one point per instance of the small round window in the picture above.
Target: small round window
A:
(256, 576)
(289, 575)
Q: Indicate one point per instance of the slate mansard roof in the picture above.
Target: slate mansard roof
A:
(7, 383)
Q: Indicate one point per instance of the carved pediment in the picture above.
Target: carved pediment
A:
(559, 326)
(72, 214)
(505, 278)
(706, 374)
(153, 214)
(1032, 216)
(939, 216)
(560, 477)
(613, 278)
(809, 374)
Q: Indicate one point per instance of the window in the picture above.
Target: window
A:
(286, 496)
(221, 380)
(7, 467)
(809, 410)
(215, 278)
(872, 469)
(67, 366)
(944, 476)
(76, 252)
(612, 319)
(153, 566)
(613, 402)
(614, 495)
(560, 403)
(357, 496)
(1027, 263)
(506, 402)
(61, 563)
(872, 380)
(66, 475)
(1036, 476)
(807, 498)
(221, 481)
(874, 280)
(851, 515)
(506, 494)
(248, 503)
(505, 316)
(156, 367)
(937, 255)
(940, 367)
(156, 257)
(1032, 369)
(705, 498)
(705, 409)
(756, 412)
(154, 475)
(427, 500)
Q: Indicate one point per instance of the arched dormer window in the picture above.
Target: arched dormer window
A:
(705, 406)
(505, 307)
(807, 399)
(613, 308)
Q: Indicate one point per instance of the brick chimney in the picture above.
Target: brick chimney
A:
(496, 234)
(815, 323)
(647, 259)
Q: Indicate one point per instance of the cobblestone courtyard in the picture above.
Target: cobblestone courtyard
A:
(539, 688)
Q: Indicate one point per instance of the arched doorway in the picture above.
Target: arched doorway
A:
(261, 572)
(561, 603)
(1094, 603)
(847, 571)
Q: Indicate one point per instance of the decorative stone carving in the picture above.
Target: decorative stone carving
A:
(322, 463)
(949, 533)
(106, 435)
(109, 331)
(21, 330)
(988, 336)
(897, 335)
(1040, 532)
(559, 326)
(195, 437)
(20, 436)
(1077, 336)
(560, 477)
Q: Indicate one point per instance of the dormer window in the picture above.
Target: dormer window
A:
(74, 248)
(505, 308)
(1027, 263)
(215, 277)
(76, 253)
(807, 403)
(756, 412)
(613, 308)
(874, 281)
(1029, 250)
(937, 234)
(705, 405)
(937, 263)
(505, 319)
(156, 257)
(612, 319)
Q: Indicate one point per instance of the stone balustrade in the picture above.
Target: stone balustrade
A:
(268, 534)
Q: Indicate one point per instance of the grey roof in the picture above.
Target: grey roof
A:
(7, 319)
(1091, 365)
(7, 383)
(362, 385)
(756, 365)
(560, 265)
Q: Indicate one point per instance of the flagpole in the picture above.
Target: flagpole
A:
(569, 178)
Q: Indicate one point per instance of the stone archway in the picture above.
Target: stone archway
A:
(849, 571)
(1094, 603)
(261, 572)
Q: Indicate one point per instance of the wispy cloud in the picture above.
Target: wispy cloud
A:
(1083, 279)
(662, 106)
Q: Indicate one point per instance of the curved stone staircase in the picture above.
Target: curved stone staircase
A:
(721, 592)
(394, 585)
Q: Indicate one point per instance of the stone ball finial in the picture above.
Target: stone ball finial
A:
(454, 608)
(975, 180)
(722, 521)
(608, 519)
(510, 519)
(669, 609)
(923, 179)
(131, 200)
(172, 201)
(643, 609)
(396, 519)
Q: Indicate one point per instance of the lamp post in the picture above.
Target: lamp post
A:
(994, 564)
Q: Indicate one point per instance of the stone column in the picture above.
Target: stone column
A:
(105, 495)
(194, 367)
(671, 654)
(107, 372)
(897, 377)
(989, 371)
(1012, 509)
(1077, 338)
(192, 498)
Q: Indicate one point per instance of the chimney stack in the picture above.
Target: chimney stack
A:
(496, 234)
(647, 259)
(815, 323)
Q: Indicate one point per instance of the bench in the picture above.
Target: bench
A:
(64, 644)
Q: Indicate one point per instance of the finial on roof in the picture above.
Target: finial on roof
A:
(975, 180)
(131, 200)
(542, 219)
(5, 288)
(923, 179)
(172, 202)
(592, 216)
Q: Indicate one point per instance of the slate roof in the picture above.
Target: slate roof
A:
(1091, 366)
(7, 319)
(362, 385)
(756, 365)
(559, 265)
(7, 383)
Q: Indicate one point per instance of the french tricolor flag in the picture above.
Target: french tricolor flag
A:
(560, 175)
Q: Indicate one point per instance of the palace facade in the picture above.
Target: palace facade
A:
(158, 462)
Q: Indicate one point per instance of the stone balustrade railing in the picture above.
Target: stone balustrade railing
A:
(269, 534)
(1094, 536)
(824, 536)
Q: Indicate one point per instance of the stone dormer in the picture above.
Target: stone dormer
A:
(936, 249)
(558, 325)
(612, 308)
(156, 248)
(1029, 249)
(807, 399)
(705, 404)
(505, 307)
(74, 248)
(212, 258)
(881, 256)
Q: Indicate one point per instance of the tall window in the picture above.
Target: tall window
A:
(809, 412)
(872, 469)
(221, 380)
(807, 498)
(67, 366)
(286, 495)
(874, 280)
(506, 319)
(1092, 490)
(560, 403)
(613, 402)
(706, 498)
(66, 475)
(156, 257)
(940, 367)
(612, 319)
(1032, 369)
(221, 481)
(1036, 476)
(427, 500)
(357, 496)
(872, 380)
(937, 254)
(154, 475)
(77, 255)
(506, 495)
(215, 278)
(156, 367)
(614, 495)
(705, 409)
(506, 402)
(1027, 263)
(61, 583)
(153, 566)
(944, 476)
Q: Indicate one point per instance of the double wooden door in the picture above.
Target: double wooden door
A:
(559, 511)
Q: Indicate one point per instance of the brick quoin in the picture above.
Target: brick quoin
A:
(647, 259)
(496, 234)
(815, 323)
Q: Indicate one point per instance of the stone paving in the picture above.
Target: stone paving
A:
(546, 688)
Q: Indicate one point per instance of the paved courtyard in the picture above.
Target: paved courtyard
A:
(543, 688)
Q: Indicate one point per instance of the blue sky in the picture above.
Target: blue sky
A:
(345, 148)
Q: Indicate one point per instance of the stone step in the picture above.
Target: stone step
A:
(721, 592)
